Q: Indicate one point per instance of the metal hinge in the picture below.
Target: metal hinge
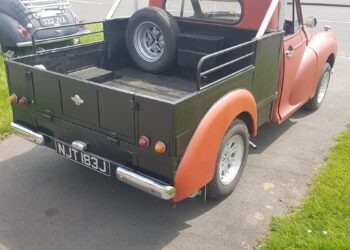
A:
(134, 105)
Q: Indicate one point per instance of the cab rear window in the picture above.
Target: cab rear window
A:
(228, 11)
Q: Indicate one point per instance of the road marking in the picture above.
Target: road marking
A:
(331, 21)
(85, 2)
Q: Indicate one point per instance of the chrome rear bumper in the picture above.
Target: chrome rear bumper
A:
(141, 182)
(27, 134)
(146, 184)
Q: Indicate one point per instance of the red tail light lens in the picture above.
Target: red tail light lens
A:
(22, 101)
(24, 33)
(144, 142)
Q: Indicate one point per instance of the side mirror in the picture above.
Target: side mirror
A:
(311, 22)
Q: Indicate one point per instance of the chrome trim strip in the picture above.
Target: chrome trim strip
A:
(146, 184)
(27, 134)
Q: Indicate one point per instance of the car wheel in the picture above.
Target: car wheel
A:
(315, 102)
(231, 161)
(151, 39)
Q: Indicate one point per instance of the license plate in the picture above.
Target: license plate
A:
(88, 160)
(53, 20)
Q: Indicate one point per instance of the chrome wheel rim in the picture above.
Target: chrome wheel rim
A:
(231, 159)
(149, 41)
(323, 87)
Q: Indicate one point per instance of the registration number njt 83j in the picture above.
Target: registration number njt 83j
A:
(88, 160)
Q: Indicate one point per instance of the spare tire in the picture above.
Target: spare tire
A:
(151, 39)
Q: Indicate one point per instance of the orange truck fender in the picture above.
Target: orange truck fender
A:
(325, 46)
(197, 166)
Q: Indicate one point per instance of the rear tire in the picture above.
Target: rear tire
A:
(151, 39)
(231, 161)
(315, 102)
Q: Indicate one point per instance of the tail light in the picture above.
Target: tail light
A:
(13, 99)
(144, 142)
(22, 31)
(22, 101)
(160, 147)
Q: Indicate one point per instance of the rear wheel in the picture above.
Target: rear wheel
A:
(316, 102)
(231, 161)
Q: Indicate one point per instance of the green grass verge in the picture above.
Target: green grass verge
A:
(5, 107)
(323, 220)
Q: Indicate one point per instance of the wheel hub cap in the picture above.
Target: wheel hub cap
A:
(149, 41)
(323, 87)
(231, 159)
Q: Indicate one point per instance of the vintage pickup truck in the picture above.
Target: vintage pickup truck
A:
(168, 101)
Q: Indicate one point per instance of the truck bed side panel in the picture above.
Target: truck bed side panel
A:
(189, 113)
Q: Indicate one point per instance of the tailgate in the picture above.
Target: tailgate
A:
(82, 102)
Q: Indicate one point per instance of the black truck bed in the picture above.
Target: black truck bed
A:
(163, 87)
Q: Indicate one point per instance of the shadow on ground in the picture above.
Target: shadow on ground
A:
(269, 132)
(79, 205)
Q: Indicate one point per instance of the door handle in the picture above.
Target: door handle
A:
(289, 52)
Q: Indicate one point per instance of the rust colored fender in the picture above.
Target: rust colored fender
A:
(325, 46)
(197, 166)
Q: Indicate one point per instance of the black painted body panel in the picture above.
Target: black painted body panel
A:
(122, 103)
